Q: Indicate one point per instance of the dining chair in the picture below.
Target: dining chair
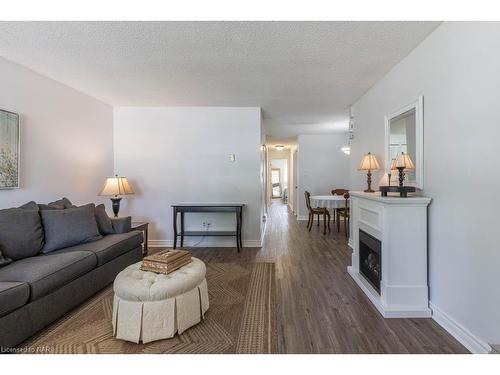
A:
(317, 211)
(338, 192)
(345, 214)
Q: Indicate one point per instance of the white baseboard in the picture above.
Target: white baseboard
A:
(466, 338)
(213, 242)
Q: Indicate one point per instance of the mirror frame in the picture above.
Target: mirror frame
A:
(418, 105)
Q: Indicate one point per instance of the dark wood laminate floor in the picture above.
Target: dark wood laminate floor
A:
(320, 308)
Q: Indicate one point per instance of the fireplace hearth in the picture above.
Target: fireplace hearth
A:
(370, 259)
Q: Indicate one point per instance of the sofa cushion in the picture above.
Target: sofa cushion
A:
(46, 273)
(12, 296)
(69, 227)
(109, 247)
(4, 261)
(21, 235)
(103, 220)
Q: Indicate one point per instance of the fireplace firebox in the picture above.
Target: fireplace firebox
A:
(370, 259)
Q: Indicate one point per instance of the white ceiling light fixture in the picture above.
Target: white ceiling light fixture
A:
(279, 147)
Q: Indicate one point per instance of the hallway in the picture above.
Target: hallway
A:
(320, 309)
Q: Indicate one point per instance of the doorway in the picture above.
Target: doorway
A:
(276, 183)
(279, 179)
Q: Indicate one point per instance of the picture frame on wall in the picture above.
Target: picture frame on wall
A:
(10, 149)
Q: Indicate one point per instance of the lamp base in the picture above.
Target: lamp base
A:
(116, 205)
(369, 182)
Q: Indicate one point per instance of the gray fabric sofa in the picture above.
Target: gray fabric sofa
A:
(37, 287)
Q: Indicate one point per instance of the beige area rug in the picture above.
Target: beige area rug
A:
(241, 319)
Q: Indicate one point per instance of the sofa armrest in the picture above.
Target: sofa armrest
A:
(122, 224)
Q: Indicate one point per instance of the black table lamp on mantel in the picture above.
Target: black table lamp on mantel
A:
(114, 187)
(401, 163)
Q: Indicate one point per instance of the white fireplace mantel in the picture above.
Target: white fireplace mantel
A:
(401, 226)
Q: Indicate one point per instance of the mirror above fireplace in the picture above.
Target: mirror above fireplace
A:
(404, 134)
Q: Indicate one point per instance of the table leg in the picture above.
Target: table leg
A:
(324, 222)
(241, 226)
(237, 231)
(175, 227)
(182, 229)
(145, 250)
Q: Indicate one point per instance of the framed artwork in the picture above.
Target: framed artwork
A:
(9, 149)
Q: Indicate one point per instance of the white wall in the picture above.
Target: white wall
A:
(322, 166)
(181, 154)
(456, 69)
(66, 138)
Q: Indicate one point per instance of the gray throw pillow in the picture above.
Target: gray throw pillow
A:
(64, 202)
(57, 205)
(103, 221)
(30, 206)
(69, 227)
(21, 234)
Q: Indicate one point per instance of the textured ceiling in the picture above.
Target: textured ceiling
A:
(304, 75)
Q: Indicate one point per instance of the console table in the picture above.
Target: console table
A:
(182, 208)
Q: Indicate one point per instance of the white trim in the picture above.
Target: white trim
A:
(191, 242)
(350, 244)
(262, 234)
(418, 104)
(410, 201)
(465, 337)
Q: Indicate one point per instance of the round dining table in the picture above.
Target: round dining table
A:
(328, 201)
(332, 202)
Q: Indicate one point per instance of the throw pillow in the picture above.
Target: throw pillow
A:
(30, 206)
(69, 227)
(21, 235)
(103, 221)
(57, 205)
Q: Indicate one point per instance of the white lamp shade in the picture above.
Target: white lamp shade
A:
(116, 186)
(369, 162)
(402, 161)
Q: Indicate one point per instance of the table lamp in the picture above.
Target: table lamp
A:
(400, 163)
(369, 163)
(115, 186)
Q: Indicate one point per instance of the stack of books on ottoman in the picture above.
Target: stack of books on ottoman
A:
(166, 261)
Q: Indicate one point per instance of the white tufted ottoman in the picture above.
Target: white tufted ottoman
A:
(148, 306)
